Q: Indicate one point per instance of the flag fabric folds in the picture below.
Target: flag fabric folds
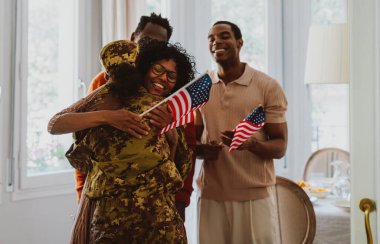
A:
(186, 100)
(247, 127)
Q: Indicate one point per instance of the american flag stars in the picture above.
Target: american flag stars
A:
(257, 116)
(199, 91)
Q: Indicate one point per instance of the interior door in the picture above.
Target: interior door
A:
(364, 113)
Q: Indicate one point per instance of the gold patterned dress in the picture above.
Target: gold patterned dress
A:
(130, 182)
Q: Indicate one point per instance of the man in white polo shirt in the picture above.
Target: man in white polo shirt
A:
(237, 204)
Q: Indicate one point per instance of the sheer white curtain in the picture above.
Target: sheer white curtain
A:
(120, 18)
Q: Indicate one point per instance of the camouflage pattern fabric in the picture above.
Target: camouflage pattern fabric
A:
(130, 181)
(117, 52)
(149, 219)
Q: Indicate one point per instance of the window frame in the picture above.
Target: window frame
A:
(3, 76)
(275, 59)
(22, 182)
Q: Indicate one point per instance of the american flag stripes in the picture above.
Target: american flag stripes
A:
(247, 127)
(188, 99)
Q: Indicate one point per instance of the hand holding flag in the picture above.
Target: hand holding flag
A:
(247, 127)
(186, 100)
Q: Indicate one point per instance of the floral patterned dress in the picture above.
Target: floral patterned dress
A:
(130, 182)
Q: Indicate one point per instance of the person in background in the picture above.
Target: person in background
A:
(129, 191)
(154, 27)
(237, 203)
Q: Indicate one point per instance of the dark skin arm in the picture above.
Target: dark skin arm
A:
(121, 119)
(208, 151)
(273, 147)
(160, 116)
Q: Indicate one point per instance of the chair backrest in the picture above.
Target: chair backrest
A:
(319, 163)
(296, 215)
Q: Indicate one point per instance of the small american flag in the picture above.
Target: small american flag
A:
(247, 127)
(188, 99)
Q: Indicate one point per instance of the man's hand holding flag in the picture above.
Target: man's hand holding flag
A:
(245, 129)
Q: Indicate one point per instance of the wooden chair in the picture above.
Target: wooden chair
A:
(296, 215)
(319, 163)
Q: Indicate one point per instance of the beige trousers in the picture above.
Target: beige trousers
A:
(250, 222)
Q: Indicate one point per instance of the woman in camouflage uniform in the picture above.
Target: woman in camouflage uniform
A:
(130, 186)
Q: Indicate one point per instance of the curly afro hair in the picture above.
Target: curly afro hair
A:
(154, 19)
(152, 51)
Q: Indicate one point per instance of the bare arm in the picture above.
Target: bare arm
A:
(73, 121)
(172, 137)
(121, 119)
(209, 151)
(76, 118)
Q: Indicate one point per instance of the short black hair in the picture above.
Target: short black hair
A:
(154, 19)
(235, 29)
(152, 51)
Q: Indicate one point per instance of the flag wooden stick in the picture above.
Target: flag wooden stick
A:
(158, 104)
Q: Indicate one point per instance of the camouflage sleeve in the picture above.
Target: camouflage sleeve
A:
(80, 153)
(183, 155)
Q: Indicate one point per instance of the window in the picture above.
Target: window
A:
(50, 80)
(329, 11)
(47, 82)
(153, 6)
(329, 102)
(57, 46)
(251, 17)
(330, 107)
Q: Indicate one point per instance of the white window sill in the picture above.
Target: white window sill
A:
(40, 192)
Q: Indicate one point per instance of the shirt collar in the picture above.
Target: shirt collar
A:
(243, 80)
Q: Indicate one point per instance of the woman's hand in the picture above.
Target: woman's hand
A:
(160, 116)
(127, 121)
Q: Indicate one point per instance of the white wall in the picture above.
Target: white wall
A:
(38, 221)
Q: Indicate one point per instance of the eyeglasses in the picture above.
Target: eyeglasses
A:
(158, 69)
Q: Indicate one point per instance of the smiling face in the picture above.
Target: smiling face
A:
(223, 45)
(161, 77)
